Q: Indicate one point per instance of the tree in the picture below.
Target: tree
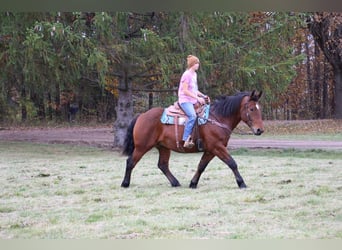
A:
(12, 37)
(137, 57)
(134, 61)
(46, 57)
(326, 29)
(237, 53)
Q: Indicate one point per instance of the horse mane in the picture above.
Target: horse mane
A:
(228, 105)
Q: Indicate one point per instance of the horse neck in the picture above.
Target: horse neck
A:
(232, 121)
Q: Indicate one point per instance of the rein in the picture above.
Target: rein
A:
(230, 131)
(224, 126)
(219, 124)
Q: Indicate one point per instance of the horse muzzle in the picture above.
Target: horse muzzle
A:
(257, 131)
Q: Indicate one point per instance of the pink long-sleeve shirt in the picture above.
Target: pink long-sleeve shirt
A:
(189, 77)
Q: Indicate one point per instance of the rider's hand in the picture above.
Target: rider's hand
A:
(201, 100)
(207, 99)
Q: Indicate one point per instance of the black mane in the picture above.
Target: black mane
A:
(228, 105)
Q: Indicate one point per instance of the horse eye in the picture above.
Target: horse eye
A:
(252, 109)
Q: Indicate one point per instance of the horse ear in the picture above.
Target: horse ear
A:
(260, 94)
(254, 96)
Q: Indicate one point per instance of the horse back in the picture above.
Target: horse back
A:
(148, 125)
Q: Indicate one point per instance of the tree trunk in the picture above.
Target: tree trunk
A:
(316, 104)
(184, 31)
(309, 75)
(39, 103)
(338, 94)
(325, 96)
(150, 100)
(23, 105)
(58, 112)
(326, 28)
(124, 112)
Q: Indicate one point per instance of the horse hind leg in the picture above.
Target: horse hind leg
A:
(163, 165)
(129, 167)
(131, 162)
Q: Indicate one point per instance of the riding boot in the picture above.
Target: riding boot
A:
(188, 143)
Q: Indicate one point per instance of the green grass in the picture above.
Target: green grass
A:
(62, 192)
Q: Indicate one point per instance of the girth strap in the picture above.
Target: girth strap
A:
(176, 131)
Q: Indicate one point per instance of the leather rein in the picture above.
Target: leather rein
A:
(224, 126)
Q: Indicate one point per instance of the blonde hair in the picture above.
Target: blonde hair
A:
(191, 60)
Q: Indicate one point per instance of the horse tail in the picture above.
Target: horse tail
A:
(129, 140)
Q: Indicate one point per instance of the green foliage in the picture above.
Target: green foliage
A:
(53, 50)
(97, 61)
(3, 109)
(48, 53)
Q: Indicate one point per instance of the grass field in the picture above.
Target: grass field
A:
(64, 192)
(325, 130)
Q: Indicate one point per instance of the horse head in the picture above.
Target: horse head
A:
(251, 112)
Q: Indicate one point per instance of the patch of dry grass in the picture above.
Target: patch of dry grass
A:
(325, 126)
(327, 129)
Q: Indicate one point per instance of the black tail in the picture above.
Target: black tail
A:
(129, 140)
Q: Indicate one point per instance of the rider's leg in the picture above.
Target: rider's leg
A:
(189, 110)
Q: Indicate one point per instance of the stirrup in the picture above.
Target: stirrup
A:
(188, 143)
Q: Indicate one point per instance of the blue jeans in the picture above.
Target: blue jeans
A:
(189, 110)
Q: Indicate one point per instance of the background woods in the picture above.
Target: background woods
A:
(109, 66)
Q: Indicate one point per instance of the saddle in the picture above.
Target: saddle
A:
(175, 113)
(176, 116)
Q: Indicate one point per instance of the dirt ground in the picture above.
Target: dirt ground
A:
(102, 135)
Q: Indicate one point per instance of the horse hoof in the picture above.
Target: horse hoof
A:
(125, 185)
(193, 185)
(176, 185)
(242, 186)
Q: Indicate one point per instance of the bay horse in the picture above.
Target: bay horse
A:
(146, 131)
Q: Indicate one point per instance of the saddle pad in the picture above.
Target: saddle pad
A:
(169, 119)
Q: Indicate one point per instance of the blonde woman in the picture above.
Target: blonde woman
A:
(188, 95)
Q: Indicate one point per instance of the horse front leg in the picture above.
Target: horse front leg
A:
(223, 154)
(233, 166)
(206, 158)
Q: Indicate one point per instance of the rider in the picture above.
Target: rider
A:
(188, 95)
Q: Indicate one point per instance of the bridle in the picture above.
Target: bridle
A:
(249, 119)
